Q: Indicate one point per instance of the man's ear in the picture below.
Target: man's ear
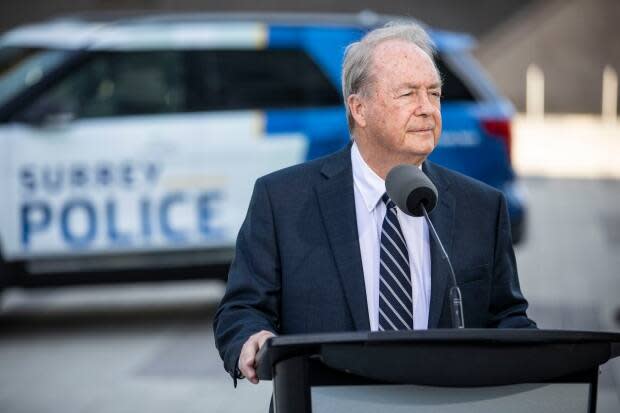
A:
(357, 109)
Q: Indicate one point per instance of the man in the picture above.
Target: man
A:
(322, 249)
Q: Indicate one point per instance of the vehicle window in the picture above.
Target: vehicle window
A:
(153, 82)
(262, 79)
(453, 88)
(24, 67)
(120, 83)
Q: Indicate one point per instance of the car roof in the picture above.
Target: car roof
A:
(151, 30)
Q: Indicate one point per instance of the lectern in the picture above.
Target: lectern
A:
(470, 370)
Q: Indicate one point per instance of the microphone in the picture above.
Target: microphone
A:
(414, 194)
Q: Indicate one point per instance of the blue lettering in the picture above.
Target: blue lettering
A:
(103, 175)
(153, 172)
(78, 176)
(35, 217)
(167, 203)
(27, 179)
(76, 206)
(205, 213)
(114, 235)
(145, 218)
(127, 174)
(52, 179)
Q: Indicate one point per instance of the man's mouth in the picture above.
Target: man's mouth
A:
(420, 130)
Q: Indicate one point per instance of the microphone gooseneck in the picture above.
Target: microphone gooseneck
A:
(414, 194)
(456, 301)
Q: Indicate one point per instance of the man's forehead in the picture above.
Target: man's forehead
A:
(398, 47)
(393, 54)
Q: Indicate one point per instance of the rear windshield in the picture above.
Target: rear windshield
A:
(24, 67)
(453, 88)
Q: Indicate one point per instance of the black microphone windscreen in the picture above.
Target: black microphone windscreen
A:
(408, 187)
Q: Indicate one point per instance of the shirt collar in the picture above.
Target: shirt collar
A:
(369, 184)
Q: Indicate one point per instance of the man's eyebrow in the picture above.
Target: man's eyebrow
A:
(436, 85)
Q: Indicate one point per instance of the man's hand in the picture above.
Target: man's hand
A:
(247, 358)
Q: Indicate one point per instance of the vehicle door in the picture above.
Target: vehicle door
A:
(135, 151)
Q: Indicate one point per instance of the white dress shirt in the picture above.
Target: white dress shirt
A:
(370, 211)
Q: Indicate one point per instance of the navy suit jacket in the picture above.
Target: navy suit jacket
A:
(298, 268)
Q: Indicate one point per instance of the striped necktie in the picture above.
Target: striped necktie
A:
(395, 290)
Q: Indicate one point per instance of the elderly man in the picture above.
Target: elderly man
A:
(323, 249)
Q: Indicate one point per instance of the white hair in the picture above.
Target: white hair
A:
(358, 56)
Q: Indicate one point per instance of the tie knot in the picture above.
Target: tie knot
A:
(388, 202)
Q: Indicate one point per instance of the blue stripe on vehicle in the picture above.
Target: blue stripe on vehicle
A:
(325, 128)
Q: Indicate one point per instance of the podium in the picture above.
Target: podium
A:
(442, 370)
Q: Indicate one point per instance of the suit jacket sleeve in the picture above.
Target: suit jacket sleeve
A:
(507, 305)
(251, 302)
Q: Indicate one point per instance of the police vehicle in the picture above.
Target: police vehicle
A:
(129, 145)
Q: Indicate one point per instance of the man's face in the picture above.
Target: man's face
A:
(401, 105)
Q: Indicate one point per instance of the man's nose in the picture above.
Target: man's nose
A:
(424, 106)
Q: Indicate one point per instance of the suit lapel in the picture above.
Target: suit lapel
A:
(442, 218)
(337, 204)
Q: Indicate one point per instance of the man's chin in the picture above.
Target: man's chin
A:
(420, 150)
(415, 157)
(423, 139)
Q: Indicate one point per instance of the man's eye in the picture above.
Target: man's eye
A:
(436, 94)
(406, 93)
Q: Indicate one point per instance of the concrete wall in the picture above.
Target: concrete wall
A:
(571, 40)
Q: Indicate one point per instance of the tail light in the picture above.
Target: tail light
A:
(500, 129)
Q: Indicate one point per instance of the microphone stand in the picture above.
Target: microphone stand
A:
(456, 302)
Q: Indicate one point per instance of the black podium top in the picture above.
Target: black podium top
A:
(446, 357)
